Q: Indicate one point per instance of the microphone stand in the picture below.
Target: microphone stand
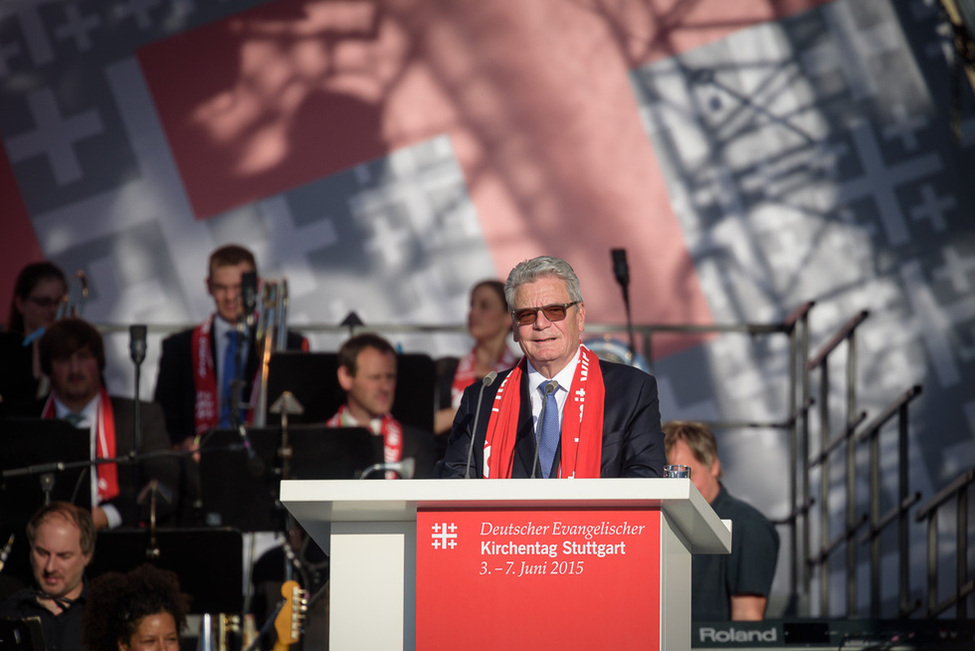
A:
(137, 350)
(622, 272)
(486, 381)
(46, 471)
(244, 325)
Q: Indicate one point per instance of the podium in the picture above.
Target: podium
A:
(499, 552)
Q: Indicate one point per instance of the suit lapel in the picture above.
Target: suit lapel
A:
(524, 456)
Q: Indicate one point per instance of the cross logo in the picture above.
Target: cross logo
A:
(444, 535)
(581, 395)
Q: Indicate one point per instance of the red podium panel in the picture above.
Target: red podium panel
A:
(392, 589)
(548, 578)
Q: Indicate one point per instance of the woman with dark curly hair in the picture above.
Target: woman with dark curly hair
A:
(137, 611)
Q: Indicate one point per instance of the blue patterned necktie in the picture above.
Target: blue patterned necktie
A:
(229, 374)
(549, 431)
(75, 419)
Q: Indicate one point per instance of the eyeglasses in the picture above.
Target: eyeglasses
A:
(44, 302)
(556, 312)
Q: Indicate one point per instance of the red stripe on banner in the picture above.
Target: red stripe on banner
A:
(263, 101)
(19, 245)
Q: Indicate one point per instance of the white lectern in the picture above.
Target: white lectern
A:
(369, 529)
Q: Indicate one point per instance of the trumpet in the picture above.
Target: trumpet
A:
(271, 336)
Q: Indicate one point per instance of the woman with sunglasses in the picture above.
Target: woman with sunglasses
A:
(38, 292)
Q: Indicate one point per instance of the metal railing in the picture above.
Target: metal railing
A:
(957, 490)
(846, 334)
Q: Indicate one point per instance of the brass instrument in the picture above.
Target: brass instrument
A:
(271, 336)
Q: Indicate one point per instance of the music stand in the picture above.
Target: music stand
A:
(235, 495)
(30, 451)
(208, 561)
(32, 448)
(312, 379)
(24, 634)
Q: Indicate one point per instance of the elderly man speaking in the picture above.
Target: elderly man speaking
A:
(561, 412)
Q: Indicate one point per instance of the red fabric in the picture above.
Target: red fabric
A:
(207, 410)
(582, 422)
(104, 443)
(464, 375)
(390, 428)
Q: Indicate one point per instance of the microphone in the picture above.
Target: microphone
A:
(137, 350)
(137, 343)
(620, 268)
(248, 290)
(550, 387)
(404, 468)
(622, 272)
(485, 383)
(255, 465)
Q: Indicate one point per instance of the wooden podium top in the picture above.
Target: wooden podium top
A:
(397, 501)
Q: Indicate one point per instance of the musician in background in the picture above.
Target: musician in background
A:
(38, 292)
(137, 611)
(62, 540)
(367, 374)
(73, 355)
(195, 385)
(489, 324)
(731, 586)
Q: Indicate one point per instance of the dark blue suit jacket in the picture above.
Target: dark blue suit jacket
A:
(633, 443)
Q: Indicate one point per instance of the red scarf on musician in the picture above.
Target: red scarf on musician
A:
(104, 443)
(582, 422)
(464, 375)
(207, 412)
(389, 427)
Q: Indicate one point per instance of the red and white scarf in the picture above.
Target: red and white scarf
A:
(389, 427)
(104, 443)
(582, 422)
(206, 414)
(464, 375)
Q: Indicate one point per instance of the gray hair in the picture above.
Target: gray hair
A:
(528, 271)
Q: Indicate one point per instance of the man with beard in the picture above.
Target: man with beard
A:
(73, 356)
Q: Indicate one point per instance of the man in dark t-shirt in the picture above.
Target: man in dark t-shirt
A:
(731, 586)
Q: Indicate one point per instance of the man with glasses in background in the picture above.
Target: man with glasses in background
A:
(561, 412)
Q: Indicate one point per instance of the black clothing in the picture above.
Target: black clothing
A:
(175, 386)
(18, 387)
(632, 441)
(748, 569)
(62, 632)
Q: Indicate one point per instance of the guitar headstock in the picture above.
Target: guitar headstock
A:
(291, 618)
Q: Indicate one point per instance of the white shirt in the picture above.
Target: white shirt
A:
(563, 377)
